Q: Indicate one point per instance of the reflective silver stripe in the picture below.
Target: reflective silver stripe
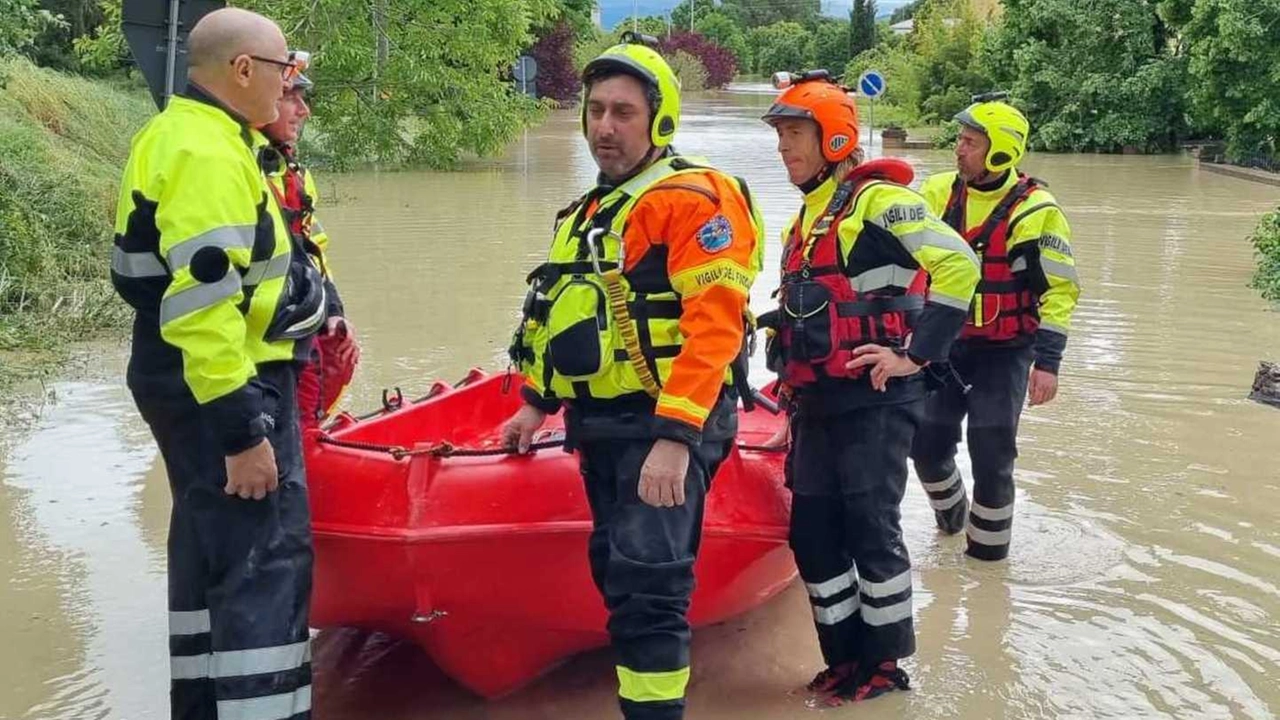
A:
(198, 298)
(189, 667)
(882, 277)
(837, 584)
(992, 514)
(1053, 328)
(892, 586)
(190, 622)
(269, 707)
(949, 501)
(913, 241)
(137, 264)
(837, 613)
(879, 617)
(227, 237)
(941, 485)
(986, 537)
(261, 271)
(258, 661)
(957, 303)
(1059, 269)
(1018, 265)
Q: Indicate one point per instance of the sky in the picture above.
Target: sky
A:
(614, 11)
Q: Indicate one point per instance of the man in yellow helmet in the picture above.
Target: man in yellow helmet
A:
(225, 304)
(1018, 323)
(633, 325)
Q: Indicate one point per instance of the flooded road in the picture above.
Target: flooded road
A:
(1145, 574)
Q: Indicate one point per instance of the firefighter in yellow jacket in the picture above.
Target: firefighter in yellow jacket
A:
(224, 303)
(874, 288)
(633, 325)
(1018, 323)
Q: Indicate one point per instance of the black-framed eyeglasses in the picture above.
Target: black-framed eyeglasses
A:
(288, 68)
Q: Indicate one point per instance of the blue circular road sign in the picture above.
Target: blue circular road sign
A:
(871, 84)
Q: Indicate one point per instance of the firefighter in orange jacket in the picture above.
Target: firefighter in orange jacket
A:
(854, 328)
(633, 325)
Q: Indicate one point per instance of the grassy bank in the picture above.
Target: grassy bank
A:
(63, 142)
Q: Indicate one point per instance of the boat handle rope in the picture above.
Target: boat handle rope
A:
(446, 449)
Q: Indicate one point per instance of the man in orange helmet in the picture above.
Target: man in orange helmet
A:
(874, 288)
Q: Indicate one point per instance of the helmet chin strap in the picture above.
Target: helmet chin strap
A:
(820, 177)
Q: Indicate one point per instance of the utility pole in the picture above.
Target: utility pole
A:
(635, 16)
(691, 4)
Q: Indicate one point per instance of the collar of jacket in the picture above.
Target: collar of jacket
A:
(252, 137)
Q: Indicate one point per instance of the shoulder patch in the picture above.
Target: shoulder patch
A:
(716, 234)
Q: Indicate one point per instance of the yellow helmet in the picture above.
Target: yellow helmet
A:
(1004, 125)
(646, 65)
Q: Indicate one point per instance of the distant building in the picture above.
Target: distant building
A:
(903, 28)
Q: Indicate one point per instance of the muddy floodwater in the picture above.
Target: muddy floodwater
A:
(1145, 574)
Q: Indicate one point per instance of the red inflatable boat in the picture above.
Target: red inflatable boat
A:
(425, 530)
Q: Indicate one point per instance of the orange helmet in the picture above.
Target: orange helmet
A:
(815, 97)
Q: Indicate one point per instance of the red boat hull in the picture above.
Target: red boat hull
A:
(482, 560)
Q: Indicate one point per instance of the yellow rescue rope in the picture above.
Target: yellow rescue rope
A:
(617, 293)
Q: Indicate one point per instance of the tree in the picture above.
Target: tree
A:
(718, 63)
(1235, 72)
(862, 26)
(721, 30)
(21, 22)
(557, 76)
(947, 39)
(780, 46)
(752, 14)
(1091, 76)
(829, 46)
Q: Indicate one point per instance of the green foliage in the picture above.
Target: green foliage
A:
(1095, 76)
(1266, 241)
(1235, 72)
(720, 29)
(104, 50)
(829, 46)
(693, 76)
(63, 141)
(780, 46)
(947, 41)
(751, 14)
(901, 69)
(906, 12)
(414, 82)
(862, 26)
(21, 22)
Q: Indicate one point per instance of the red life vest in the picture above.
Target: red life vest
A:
(1004, 305)
(822, 316)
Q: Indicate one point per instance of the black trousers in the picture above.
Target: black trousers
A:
(642, 562)
(848, 473)
(998, 388)
(239, 570)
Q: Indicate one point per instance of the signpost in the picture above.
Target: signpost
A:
(156, 31)
(871, 85)
(525, 72)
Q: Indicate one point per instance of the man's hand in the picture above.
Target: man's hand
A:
(519, 430)
(884, 364)
(663, 474)
(1043, 387)
(252, 473)
(348, 349)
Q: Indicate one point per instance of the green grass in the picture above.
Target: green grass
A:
(63, 142)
